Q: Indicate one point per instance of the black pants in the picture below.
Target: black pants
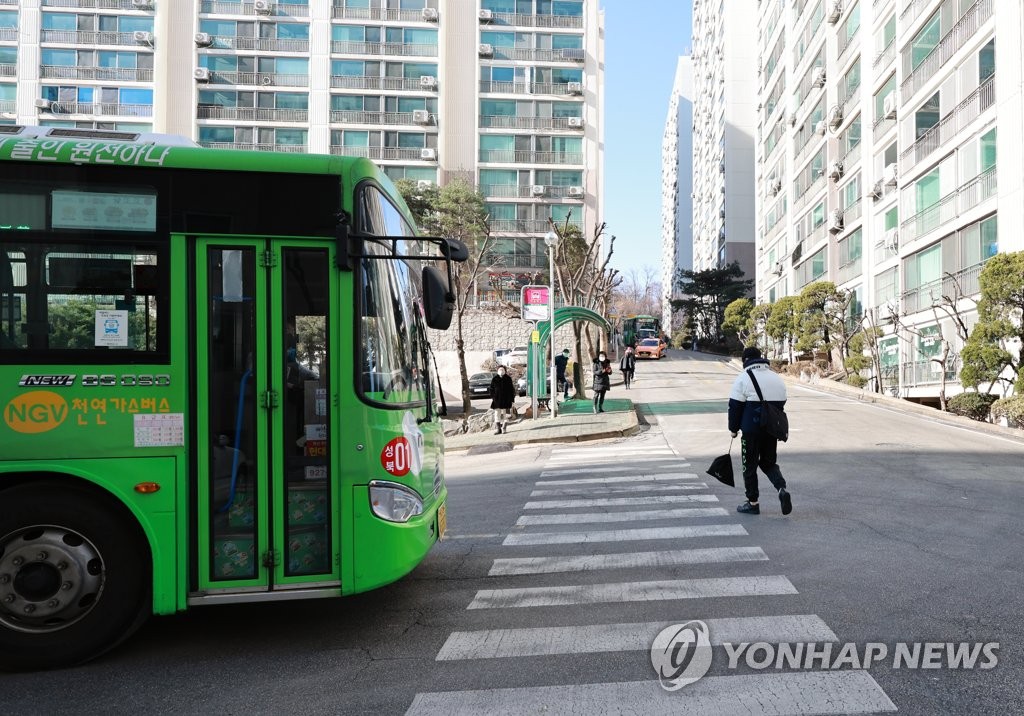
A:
(599, 398)
(760, 451)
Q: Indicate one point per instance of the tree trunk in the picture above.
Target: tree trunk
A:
(577, 373)
(460, 348)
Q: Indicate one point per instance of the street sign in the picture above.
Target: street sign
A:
(535, 303)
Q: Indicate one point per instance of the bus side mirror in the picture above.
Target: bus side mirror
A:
(455, 250)
(438, 300)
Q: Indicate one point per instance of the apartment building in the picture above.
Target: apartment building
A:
(724, 125)
(504, 93)
(888, 157)
(677, 186)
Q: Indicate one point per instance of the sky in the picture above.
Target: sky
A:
(643, 41)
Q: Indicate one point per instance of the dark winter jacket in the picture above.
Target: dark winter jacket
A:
(628, 362)
(503, 392)
(744, 405)
(561, 361)
(602, 374)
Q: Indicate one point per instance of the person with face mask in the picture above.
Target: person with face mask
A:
(602, 380)
(503, 392)
(561, 363)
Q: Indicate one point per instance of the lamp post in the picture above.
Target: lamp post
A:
(551, 241)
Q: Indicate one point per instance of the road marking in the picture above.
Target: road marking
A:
(512, 566)
(548, 641)
(648, 477)
(632, 592)
(615, 449)
(449, 535)
(589, 470)
(631, 516)
(642, 533)
(617, 489)
(816, 692)
(617, 501)
(632, 458)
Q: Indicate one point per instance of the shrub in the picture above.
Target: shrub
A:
(778, 364)
(971, 405)
(1012, 409)
(856, 380)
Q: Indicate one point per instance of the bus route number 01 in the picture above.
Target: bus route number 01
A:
(396, 457)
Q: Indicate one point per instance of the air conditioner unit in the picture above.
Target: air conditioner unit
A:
(142, 4)
(428, 82)
(889, 174)
(792, 119)
(203, 39)
(44, 103)
(835, 171)
(429, 14)
(420, 116)
(538, 190)
(262, 7)
(818, 78)
(201, 74)
(486, 50)
(576, 191)
(889, 106)
(575, 88)
(142, 37)
(835, 12)
(774, 187)
(424, 184)
(835, 221)
(266, 80)
(576, 122)
(891, 240)
(835, 117)
(428, 153)
(877, 190)
(486, 16)
(777, 269)
(821, 127)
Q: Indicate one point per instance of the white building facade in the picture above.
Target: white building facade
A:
(677, 186)
(889, 155)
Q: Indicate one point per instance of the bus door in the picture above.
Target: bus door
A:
(266, 493)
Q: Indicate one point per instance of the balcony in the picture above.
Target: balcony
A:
(86, 4)
(515, 191)
(8, 34)
(845, 43)
(8, 106)
(949, 126)
(977, 15)
(559, 88)
(379, 153)
(883, 58)
(355, 116)
(495, 121)
(522, 226)
(853, 212)
(8, 70)
(528, 54)
(502, 156)
(116, 74)
(496, 260)
(523, 20)
(374, 82)
(399, 49)
(265, 79)
(923, 372)
(911, 10)
(260, 44)
(253, 114)
(849, 271)
(377, 13)
(881, 126)
(222, 7)
(951, 206)
(114, 109)
(851, 157)
(849, 101)
(961, 283)
(287, 149)
(86, 37)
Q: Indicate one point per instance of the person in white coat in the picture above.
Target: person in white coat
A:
(758, 448)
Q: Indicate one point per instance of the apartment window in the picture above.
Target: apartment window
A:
(852, 136)
(498, 108)
(350, 138)
(51, 21)
(926, 40)
(851, 80)
(891, 220)
(889, 31)
(565, 8)
(987, 61)
(924, 267)
(885, 91)
(284, 30)
(886, 286)
(507, 6)
(926, 191)
(851, 248)
(560, 178)
(889, 155)
(57, 58)
(927, 116)
(351, 68)
(355, 33)
(412, 173)
(566, 42)
(498, 39)
(851, 192)
(851, 26)
(501, 212)
(499, 177)
(566, 109)
(979, 242)
(411, 36)
(114, 23)
(987, 149)
(284, 65)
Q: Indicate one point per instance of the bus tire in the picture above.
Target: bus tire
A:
(74, 576)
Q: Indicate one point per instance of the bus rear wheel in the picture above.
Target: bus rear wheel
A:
(74, 576)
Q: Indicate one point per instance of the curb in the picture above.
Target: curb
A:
(629, 430)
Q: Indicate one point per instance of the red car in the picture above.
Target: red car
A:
(650, 348)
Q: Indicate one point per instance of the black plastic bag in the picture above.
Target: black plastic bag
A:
(721, 468)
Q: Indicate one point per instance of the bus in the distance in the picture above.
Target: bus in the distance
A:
(636, 328)
(214, 383)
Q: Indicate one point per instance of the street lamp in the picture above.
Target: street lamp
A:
(551, 241)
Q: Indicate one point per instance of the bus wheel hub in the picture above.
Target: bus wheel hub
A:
(50, 577)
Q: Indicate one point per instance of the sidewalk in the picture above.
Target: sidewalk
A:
(576, 422)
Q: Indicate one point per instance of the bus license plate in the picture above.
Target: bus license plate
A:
(442, 521)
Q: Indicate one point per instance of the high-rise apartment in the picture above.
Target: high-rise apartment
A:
(879, 127)
(677, 186)
(724, 124)
(504, 93)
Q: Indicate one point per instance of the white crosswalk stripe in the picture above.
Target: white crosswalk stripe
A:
(624, 560)
(620, 449)
(826, 692)
(616, 501)
(617, 489)
(631, 516)
(547, 641)
(627, 459)
(639, 534)
(643, 477)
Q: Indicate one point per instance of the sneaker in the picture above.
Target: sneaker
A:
(595, 410)
(600, 410)
(786, 500)
(748, 509)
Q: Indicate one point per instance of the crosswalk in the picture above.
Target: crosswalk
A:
(588, 504)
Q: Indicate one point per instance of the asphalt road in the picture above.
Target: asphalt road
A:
(545, 598)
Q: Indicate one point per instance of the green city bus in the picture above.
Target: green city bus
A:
(214, 383)
(636, 328)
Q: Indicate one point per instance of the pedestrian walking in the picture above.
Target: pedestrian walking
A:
(627, 364)
(561, 363)
(502, 394)
(602, 380)
(759, 449)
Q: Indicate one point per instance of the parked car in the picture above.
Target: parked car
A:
(480, 384)
(516, 356)
(521, 387)
(650, 348)
(497, 353)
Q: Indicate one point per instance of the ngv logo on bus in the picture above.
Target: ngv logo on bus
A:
(37, 411)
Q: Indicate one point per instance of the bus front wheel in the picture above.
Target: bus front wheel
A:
(74, 576)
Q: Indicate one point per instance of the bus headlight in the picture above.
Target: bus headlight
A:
(393, 502)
